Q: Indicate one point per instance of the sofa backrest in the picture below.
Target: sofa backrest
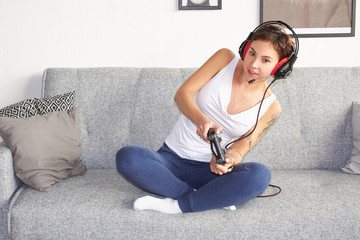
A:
(135, 106)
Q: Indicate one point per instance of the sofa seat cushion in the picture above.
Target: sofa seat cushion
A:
(98, 205)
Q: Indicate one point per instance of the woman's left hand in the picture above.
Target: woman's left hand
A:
(220, 169)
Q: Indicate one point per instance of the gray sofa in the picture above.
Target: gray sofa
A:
(305, 150)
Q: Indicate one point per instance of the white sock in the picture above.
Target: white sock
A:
(165, 205)
(232, 208)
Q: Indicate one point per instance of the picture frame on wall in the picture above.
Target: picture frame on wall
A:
(313, 18)
(199, 4)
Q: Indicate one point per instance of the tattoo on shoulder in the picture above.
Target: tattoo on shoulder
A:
(273, 119)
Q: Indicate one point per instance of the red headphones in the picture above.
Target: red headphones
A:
(285, 66)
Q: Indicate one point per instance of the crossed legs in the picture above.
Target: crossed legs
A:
(165, 173)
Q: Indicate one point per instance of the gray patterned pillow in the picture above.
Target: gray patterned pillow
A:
(64, 102)
(35, 106)
(23, 109)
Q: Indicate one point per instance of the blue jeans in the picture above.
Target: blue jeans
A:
(165, 173)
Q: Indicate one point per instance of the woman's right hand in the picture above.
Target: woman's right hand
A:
(221, 169)
(203, 128)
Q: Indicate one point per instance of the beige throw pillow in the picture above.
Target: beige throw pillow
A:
(353, 165)
(46, 148)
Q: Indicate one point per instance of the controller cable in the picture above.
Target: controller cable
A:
(249, 133)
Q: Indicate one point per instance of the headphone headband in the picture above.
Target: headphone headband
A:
(284, 67)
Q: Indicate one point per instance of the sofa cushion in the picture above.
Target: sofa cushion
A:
(158, 99)
(314, 130)
(106, 100)
(313, 204)
(353, 165)
(46, 147)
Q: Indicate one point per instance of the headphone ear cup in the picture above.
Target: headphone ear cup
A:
(244, 49)
(241, 49)
(245, 45)
(278, 70)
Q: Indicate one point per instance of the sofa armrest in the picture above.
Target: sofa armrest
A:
(8, 186)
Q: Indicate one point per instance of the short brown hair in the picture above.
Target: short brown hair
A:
(281, 41)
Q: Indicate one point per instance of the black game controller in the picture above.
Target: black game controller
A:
(216, 148)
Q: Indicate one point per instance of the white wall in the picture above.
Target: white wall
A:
(38, 34)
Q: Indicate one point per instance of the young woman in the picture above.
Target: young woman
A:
(224, 94)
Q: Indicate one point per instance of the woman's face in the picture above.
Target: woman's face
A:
(260, 59)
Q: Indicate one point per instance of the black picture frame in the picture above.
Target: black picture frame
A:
(199, 5)
(274, 10)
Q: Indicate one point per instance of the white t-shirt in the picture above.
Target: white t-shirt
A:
(213, 100)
